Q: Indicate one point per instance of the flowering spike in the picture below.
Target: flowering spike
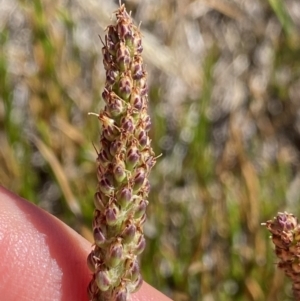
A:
(285, 231)
(124, 160)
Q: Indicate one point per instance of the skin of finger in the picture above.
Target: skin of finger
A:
(42, 258)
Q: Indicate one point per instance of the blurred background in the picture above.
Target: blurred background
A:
(224, 80)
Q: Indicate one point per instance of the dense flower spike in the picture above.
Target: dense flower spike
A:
(124, 162)
(285, 231)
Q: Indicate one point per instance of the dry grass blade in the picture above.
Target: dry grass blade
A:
(70, 131)
(227, 8)
(59, 173)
